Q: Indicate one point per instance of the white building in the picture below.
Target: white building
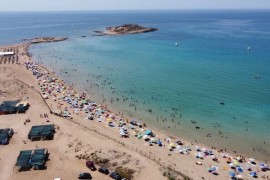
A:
(6, 53)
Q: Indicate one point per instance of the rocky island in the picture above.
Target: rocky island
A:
(125, 29)
(46, 39)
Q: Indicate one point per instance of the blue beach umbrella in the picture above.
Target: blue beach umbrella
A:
(262, 165)
(148, 132)
(159, 143)
(232, 174)
(253, 174)
(239, 169)
(212, 169)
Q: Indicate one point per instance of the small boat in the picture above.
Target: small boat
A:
(257, 77)
(221, 103)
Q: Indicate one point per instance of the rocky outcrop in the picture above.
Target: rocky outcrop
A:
(125, 29)
(47, 39)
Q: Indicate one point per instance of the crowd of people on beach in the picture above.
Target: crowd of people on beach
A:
(70, 104)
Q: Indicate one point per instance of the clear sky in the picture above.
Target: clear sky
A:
(75, 5)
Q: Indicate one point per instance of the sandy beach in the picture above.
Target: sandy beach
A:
(78, 139)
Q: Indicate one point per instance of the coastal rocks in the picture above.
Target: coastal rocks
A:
(125, 29)
(45, 39)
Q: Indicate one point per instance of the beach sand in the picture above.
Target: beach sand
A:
(78, 139)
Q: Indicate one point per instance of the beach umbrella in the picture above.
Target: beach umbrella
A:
(172, 145)
(228, 160)
(231, 165)
(139, 136)
(239, 176)
(144, 136)
(109, 120)
(148, 132)
(251, 159)
(236, 163)
(232, 174)
(239, 169)
(159, 143)
(204, 150)
(199, 155)
(262, 165)
(197, 148)
(199, 163)
(153, 140)
(223, 155)
(122, 133)
(253, 174)
(213, 169)
(225, 168)
(248, 168)
(120, 123)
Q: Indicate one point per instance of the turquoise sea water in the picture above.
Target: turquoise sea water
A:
(147, 72)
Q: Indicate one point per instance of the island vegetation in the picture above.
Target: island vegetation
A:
(125, 29)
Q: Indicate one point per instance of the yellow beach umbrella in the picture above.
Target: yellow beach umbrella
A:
(172, 145)
(109, 120)
(236, 163)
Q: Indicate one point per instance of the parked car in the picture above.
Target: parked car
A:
(104, 170)
(85, 176)
(115, 175)
(9, 131)
(91, 165)
(5, 135)
(4, 139)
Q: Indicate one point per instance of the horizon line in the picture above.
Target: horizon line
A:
(126, 10)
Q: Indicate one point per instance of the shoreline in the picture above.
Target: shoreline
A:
(161, 133)
(188, 137)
